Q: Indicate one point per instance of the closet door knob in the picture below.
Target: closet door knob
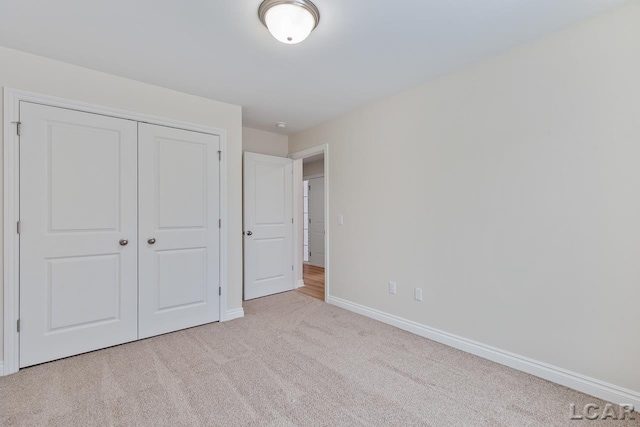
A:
(151, 241)
(124, 242)
(249, 233)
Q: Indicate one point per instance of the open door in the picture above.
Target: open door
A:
(268, 225)
(316, 221)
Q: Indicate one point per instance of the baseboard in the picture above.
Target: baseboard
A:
(300, 284)
(236, 313)
(590, 386)
(2, 373)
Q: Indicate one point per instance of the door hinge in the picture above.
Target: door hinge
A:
(18, 227)
(309, 254)
(18, 325)
(18, 128)
(220, 291)
(220, 223)
(292, 268)
(291, 220)
(219, 155)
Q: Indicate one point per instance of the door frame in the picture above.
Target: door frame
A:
(11, 208)
(297, 218)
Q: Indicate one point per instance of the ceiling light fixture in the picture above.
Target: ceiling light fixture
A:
(281, 125)
(289, 21)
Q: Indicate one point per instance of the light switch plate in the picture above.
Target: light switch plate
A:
(340, 220)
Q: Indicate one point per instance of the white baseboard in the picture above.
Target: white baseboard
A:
(2, 373)
(591, 386)
(236, 313)
(300, 283)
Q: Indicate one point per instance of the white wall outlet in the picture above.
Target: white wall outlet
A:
(340, 220)
(392, 288)
(417, 294)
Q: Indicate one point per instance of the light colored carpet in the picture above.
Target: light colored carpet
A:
(291, 361)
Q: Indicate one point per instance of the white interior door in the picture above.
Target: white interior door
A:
(316, 221)
(78, 252)
(268, 225)
(179, 234)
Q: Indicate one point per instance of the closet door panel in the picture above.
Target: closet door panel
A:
(78, 241)
(179, 191)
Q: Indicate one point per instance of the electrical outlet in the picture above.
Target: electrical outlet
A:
(392, 288)
(417, 294)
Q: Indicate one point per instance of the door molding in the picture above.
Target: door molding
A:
(11, 208)
(297, 234)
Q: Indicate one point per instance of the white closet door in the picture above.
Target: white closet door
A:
(78, 252)
(268, 224)
(179, 187)
(316, 221)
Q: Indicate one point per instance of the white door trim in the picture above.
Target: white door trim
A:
(11, 209)
(297, 236)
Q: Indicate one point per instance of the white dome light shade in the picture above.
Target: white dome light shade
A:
(290, 21)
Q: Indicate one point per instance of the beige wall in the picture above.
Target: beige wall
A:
(36, 74)
(313, 168)
(263, 142)
(510, 192)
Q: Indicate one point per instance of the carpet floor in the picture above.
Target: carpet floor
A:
(291, 361)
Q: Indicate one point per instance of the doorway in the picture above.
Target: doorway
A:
(311, 231)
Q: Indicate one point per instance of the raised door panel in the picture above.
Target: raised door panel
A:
(83, 291)
(78, 200)
(188, 267)
(182, 183)
(84, 179)
(179, 210)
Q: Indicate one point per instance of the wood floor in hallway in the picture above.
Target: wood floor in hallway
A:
(313, 281)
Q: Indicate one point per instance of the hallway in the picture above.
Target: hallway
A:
(313, 281)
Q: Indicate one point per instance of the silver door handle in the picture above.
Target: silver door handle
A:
(249, 233)
(124, 242)
(151, 241)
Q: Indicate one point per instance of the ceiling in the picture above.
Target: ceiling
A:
(362, 50)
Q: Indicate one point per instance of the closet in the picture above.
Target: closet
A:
(119, 231)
